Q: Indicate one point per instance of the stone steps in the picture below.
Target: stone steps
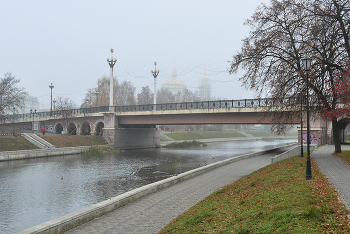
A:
(34, 139)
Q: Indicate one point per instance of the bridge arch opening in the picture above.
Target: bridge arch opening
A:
(99, 129)
(58, 128)
(72, 129)
(85, 129)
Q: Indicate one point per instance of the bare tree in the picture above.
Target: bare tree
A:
(282, 34)
(187, 96)
(10, 94)
(64, 107)
(145, 96)
(90, 99)
(126, 94)
(165, 96)
(102, 99)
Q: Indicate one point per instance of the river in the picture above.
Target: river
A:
(34, 191)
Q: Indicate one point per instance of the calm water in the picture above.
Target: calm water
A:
(34, 191)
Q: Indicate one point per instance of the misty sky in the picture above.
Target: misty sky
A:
(68, 43)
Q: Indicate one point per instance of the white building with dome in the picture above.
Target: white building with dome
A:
(174, 84)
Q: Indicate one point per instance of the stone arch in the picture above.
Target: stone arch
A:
(72, 129)
(58, 128)
(85, 129)
(99, 128)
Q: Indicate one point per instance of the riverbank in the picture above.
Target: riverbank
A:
(200, 135)
(112, 203)
(12, 143)
(39, 153)
(164, 143)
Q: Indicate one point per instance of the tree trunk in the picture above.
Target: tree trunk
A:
(336, 136)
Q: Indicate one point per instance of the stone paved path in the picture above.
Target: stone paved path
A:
(153, 212)
(335, 170)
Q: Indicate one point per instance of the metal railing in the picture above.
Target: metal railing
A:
(242, 103)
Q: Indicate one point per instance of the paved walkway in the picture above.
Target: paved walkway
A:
(337, 172)
(151, 213)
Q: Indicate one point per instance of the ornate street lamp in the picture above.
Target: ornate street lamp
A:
(97, 93)
(54, 106)
(307, 64)
(155, 74)
(111, 65)
(51, 87)
(32, 112)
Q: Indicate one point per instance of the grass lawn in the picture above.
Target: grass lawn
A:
(11, 143)
(344, 155)
(73, 140)
(270, 134)
(274, 199)
(195, 135)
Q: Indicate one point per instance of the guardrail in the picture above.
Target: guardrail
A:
(9, 133)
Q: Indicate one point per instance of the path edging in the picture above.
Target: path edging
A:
(77, 218)
(290, 153)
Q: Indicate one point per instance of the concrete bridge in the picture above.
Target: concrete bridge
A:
(136, 126)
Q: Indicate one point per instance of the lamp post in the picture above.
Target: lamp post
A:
(155, 74)
(111, 65)
(32, 112)
(301, 127)
(13, 121)
(307, 64)
(54, 106)
(96, 93)
(51, 87)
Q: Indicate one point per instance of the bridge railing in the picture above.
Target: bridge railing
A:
(242, 103)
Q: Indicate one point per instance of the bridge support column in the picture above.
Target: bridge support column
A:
(129, 137)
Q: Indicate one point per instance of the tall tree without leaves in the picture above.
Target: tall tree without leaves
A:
(64, 107)
(282, 34)
(123, 93)
(11, 96)
(145, 96)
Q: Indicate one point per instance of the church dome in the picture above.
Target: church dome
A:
(174, 83)
(174, 80)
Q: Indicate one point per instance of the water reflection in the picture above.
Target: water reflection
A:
(34, 191)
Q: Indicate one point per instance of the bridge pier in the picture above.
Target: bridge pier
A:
(129, 136)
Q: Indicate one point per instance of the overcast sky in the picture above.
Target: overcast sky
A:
(68, 43)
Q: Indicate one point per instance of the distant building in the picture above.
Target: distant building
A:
(174, 84)
(204, 89)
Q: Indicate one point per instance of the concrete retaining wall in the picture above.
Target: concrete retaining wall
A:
(290, 153)
(24, 154)
(77, 218)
